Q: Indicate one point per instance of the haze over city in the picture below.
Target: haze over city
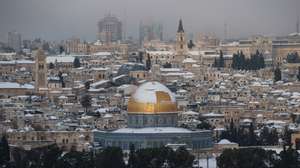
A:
(62, 19)
(149, 83)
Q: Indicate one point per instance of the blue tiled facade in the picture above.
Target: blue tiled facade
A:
(196, 140)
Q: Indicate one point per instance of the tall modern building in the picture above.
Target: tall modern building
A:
(150, 31)
(110, 29)
(14, 41)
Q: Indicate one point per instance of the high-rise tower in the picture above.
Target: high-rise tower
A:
(15, 41)
(110, 29)
(40, 70)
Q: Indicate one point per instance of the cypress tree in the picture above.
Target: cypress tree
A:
(76, 63)
(4, 152)
(298, 76)
(216, 63)
(221, 60)
(148, 63)
(277, 74)
(86, 102)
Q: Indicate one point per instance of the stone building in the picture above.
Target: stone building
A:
(40, 70)
(152, 122)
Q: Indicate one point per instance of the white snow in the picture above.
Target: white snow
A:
(12, 85)
(152, 130)
(146, 93)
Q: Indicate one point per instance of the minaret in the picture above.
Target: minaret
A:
(40, 70)
(181, 45)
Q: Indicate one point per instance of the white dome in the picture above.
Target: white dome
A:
(146, 93)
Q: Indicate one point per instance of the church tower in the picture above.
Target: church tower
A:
(40, 70)
(181, 45)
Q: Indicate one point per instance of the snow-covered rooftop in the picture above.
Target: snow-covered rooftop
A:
(152, 130)
(11, 85)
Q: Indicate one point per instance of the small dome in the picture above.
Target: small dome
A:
(152, 98)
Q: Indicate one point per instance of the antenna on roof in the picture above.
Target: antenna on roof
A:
(225, 31)
(297, 24)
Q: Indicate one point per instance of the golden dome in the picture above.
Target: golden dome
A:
(152, 98)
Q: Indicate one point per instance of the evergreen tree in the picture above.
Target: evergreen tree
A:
(61, 49)
(148, 63)
(76, 63)
(167, 65)
(87, 85)
(4, 152)
(182, 158)
(204, 125)
(246, 158)
(61, 79)
(216, 63)
(86, 102)
(287, 136)
(75, 159)
(262, 61)
(221, 60)
(51, 65)
(293, 58)
(252, 136)
(132, 157)
(50, 155)
(191, 44)
(289, 158)
(277, 74)
(110, 157)
(234, 61)
(298, 76)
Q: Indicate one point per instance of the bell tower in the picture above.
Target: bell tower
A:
(40, 70)
(181, 45)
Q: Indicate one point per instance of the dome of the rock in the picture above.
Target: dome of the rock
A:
(152, 98)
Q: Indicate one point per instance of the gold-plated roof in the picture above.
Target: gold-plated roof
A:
(163, 104)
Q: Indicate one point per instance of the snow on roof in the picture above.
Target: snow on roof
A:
(238, 75)
(152, 130)
(275, 122)
(170, 70)
(195, 65)
(247, 120)
(160, 52)
(102, 54)
(189, 60)
(125, 86)
(101, 82)
(100, 69)
(195, 53)
(61, 59)
(185, 74)
(118, 77)
(146, 93)
(18, 62)
(190, 113)
(225, 142)
(12, 85)
(181, 91)
(108, 116)
(102, 110)
(213, 115)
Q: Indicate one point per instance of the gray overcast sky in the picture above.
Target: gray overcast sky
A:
(62, 19)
